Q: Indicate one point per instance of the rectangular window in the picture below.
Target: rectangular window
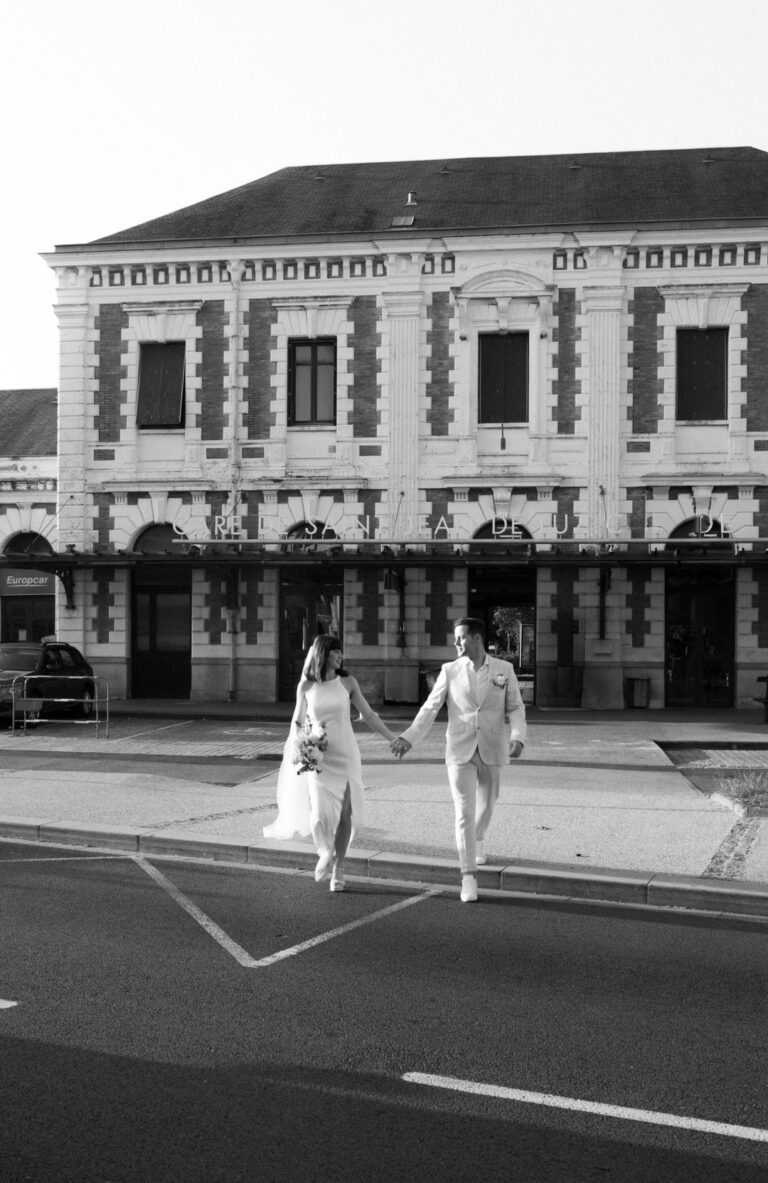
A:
(311, 382)
(503, 378)
(702, 374)
(161, 385)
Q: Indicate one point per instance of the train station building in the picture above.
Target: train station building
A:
(369, 399)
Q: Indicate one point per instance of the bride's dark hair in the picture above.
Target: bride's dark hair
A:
(316, 664)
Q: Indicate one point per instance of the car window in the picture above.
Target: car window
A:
(19, 659)
(68, 663)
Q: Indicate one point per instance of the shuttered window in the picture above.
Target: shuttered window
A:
(702, 374)
(503, 378)
(161, 385)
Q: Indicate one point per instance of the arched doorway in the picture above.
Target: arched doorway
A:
(161, 620)
(28, 596)
(700, 623)
(311, 603)
(504, 598)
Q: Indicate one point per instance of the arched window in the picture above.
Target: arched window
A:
(159, 540)
(701, 527)
(28, 544)
(499, 530)
(310, 533)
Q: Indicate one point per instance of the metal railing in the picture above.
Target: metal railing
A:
(26, 706)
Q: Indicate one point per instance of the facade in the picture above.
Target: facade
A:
(27, 513)
(369, 399)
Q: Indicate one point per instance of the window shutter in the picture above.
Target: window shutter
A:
(161, 385)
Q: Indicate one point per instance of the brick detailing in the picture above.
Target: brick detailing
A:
(369, 602)
(259, 419)
(364, 367)
(439, 365)
(438, 602)
(252, 622)
(109, 417)
(755, 304)
(565, 603)
(645, 385)
(760, 604)
(565, 386)
(638, 601)
(438, 515)
(566, 513)
(250, 511)
(103, 520)
(637, 514)
(215, 601)
(370, 500)
(761, 515)
(103, 600)
(212, 319)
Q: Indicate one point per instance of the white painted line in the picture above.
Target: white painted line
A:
(338, 932)
(192, 910)
(6, 1005)
(156, 730)
(749, 1133)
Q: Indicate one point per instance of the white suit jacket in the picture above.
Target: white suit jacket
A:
(490, 725)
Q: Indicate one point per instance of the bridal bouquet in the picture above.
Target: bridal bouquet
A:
(312, 740)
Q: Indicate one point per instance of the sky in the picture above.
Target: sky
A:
(117, 113)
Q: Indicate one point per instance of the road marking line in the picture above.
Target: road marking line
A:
(197, 914)
(5, 1004)
(345, 928)
(156, 730)
(750, 1133)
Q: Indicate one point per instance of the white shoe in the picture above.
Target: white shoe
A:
(482, 857)
(468, 889)
(323, 868)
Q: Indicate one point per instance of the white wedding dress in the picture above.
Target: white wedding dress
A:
(311, 802)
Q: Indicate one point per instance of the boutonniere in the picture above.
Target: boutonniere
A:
(500, 680)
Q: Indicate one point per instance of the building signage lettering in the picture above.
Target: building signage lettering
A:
(26, 583)
(231, 527)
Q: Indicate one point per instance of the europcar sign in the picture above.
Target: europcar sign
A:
(27, 583)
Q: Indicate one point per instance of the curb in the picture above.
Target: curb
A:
(552, 880)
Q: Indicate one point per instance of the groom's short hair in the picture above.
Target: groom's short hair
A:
(473, 626)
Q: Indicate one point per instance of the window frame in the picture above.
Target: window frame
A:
(161, 407)
(314, 344)
(511, 400)
(694, 387)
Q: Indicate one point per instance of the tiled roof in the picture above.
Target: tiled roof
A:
(28, 422)
(667, 188)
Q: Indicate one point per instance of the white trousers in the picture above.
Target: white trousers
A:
(475, 791)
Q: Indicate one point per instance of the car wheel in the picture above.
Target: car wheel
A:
(86, 703)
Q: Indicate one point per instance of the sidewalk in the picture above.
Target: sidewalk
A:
(595, 810)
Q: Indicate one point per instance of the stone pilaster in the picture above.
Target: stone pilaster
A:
(602, 307)
(403, 312)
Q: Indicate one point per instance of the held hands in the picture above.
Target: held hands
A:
(399, 747)
(515, 749)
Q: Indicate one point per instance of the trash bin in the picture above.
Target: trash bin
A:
(638, 692)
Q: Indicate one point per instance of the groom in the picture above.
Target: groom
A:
(486, 727)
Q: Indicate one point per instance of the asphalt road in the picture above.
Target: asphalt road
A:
(193, 1022)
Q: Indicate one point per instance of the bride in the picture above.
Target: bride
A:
(320, 784)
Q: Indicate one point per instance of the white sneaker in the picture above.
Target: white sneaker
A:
(482, 857)
(468, 889)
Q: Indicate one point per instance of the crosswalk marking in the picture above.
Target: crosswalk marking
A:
(338, 932)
